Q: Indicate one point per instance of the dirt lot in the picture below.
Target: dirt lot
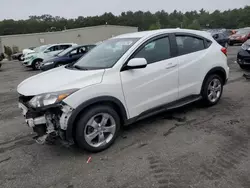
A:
(192, 147)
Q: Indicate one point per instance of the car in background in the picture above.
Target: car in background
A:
(221, 38)
(42, 53)
(20, 55)
(241, 36)
(243, 56)
(122, 80)
(67, 56)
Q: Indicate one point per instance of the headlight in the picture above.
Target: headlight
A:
(48, 63)
(50, 98)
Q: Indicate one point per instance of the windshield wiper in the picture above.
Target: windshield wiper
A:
(79, 67)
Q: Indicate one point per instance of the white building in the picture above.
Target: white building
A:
(86, 35)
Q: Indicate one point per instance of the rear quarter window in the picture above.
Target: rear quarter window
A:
(189, 44)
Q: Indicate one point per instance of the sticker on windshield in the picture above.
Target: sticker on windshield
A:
(124, 43)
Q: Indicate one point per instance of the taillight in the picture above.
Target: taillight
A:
(224, 51)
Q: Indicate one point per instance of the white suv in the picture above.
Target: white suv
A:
(122, 80)
(35, 57)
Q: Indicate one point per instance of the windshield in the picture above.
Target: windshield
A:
(40, 48)
(106, 54)
(64, 52)
(243, 32)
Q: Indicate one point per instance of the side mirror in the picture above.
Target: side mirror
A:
(136, 63)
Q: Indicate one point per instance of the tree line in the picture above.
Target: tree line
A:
(231, 19)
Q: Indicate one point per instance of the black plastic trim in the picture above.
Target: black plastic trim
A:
(162, 108)
(80, 108)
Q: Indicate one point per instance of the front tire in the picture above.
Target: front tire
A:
(243, 67)
(36, 65)
(212, 90)
(97, 128)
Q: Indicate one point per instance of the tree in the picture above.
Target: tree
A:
(231, 19)
(154, 26)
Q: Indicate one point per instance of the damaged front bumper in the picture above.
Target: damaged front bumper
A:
(49, 123)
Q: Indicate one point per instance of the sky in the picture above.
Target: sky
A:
(22, 9)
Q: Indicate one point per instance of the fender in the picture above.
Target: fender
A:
(71, 123)
(219, 70)
(36, 60)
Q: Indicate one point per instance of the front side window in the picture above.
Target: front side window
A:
(73, 52)
(52, 49)
(82, 50)
(189, 44)
(106, 54)
(155, 51)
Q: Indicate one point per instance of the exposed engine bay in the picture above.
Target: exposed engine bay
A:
(49, 123)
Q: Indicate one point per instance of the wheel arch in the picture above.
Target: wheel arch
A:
(36, 60)
(107, 100)
(219, 71)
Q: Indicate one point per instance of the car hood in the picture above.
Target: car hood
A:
(59, 79)
(236, 35)
(30, 54)
(25, 51)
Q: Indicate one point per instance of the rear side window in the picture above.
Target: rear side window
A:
(189, 44)
(155, 51)
(64, 47)
(208, 43)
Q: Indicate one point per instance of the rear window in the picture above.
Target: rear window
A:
(189, 44)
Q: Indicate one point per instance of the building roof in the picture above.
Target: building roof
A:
(69, 30)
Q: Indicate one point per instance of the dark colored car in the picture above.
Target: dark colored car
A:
(67, 56)
(241, 36)
(19, 55)
(243, 57)
(221, 38)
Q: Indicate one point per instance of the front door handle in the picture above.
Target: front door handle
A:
(170, 66)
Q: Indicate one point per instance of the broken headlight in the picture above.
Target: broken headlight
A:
(50, 98)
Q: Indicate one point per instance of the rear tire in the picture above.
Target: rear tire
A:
(19, 58)
(97, 128)
(212, 90)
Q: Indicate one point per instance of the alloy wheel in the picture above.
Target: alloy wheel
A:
(100, 130)
(214, 90)
(38, 65)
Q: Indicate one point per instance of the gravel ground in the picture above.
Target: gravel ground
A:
(192, 147)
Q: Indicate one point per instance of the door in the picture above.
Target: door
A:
(155, 85)
(192, 64)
